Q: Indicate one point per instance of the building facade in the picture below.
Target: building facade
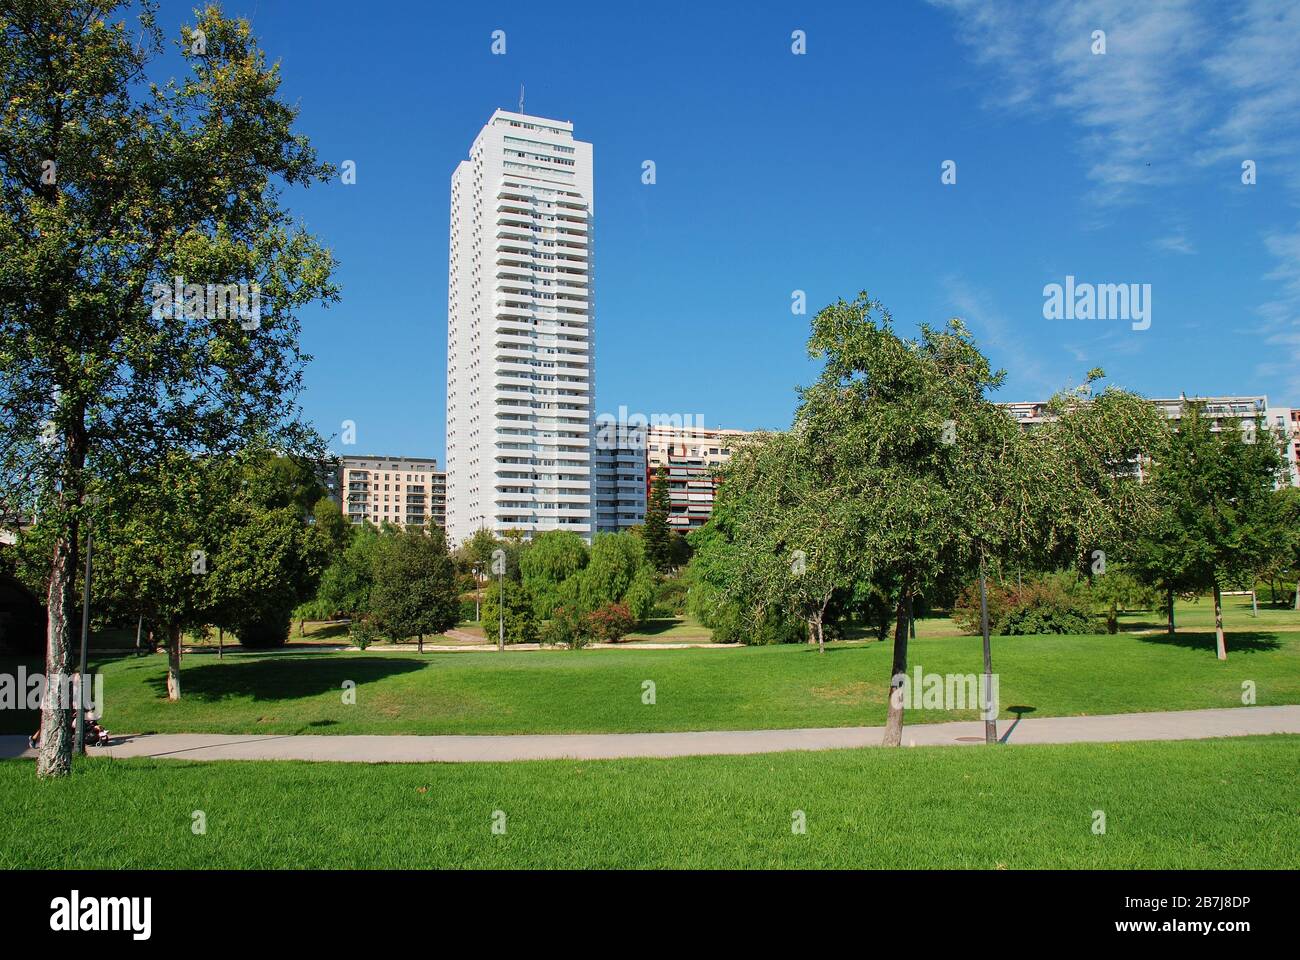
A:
(520, 365)
(691, 456)
(1225, 413)
(620, 479)
(406, 491)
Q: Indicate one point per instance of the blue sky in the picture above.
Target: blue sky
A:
(821, 172)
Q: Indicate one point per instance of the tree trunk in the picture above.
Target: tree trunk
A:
(1218, 625)
(894, 721)
(174, 663)
(1297, 594)
(1169, 595)
(139, 626)
(420, 644)
(221, 643)
(1112, 618)
(55, 757)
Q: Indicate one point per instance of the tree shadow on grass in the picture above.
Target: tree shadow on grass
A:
(654, 626)
(1244, 642)
(275, 678)
(836, 647)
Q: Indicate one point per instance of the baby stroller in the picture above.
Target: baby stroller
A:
(95, 734)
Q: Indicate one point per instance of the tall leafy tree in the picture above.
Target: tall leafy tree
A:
(347, 583)
(550, 559)
(888, 420)
(792, 532)
(115, 185)
(1216, 523)
(414, 584)
(157, 535)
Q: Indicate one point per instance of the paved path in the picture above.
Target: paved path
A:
(1179, 725)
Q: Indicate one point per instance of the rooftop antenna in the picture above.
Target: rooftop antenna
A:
(521, 98)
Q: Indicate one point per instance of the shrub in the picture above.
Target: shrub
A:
(567, 628)
(362, 633)
(1039, 606)
(468, 609)
(611, 622)
(265, 630)
(670, 597)
(730, 624)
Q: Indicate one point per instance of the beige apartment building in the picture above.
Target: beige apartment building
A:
(400, 490)
(692, 456)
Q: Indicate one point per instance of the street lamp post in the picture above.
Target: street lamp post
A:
(990, 719)
(499, 568)
(79, 743)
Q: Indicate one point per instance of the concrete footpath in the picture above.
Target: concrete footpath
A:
(1113, 728)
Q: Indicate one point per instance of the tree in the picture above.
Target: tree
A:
(613, 566)
(346, 585)
(328, 518)
(1118, 589)
(1215, 523)
(1283, 563)
(549, 560)
(268, 563)
(477, 550)
(791, 530)
(414, 585)
(520, 622)
(271, 559)
(115, 191)
(904, 428)
(157, 533)
(655, 535)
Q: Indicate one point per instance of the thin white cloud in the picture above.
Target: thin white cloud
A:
(1174, 243)
(1185, 89)
(1255, 64)
(1279, 329)
(1133, 103)
(992, 329)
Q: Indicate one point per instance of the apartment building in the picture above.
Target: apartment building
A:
(400, 490)
(691, 456)
(1225, 413)
(520, 369)
(620, 478)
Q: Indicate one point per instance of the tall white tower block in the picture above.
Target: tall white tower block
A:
(520, 365)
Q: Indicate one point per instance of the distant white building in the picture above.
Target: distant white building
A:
(520, 367)
(1225, 413)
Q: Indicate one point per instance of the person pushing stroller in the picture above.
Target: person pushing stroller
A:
(95, 735)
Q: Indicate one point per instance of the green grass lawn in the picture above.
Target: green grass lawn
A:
(1224, 804)
(588, 691)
